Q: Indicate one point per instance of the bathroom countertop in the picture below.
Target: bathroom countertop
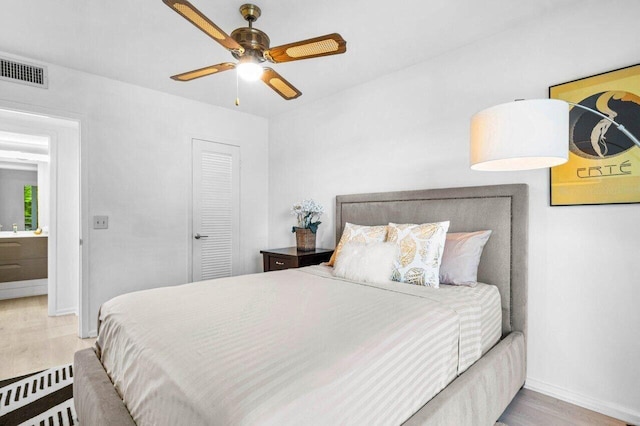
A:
(20, 234)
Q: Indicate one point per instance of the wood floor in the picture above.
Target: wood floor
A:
(531, 408)
(31, 341)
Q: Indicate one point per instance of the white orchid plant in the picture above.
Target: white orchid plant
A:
(308, 214)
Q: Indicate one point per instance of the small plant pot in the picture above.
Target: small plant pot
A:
(305, 239)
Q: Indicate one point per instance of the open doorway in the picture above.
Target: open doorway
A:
(48, 151)
(24, 214)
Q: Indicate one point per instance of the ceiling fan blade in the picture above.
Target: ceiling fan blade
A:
(193, 15)
(330, 44)
(279, 84)
(201, 72)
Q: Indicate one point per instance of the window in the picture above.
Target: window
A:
(30, 207)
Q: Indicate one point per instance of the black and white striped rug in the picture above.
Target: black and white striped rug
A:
(39, 399)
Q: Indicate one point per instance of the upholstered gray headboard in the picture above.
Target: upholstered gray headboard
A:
(501, 208)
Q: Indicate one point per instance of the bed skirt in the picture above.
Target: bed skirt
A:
(477, 397)
(482, 393)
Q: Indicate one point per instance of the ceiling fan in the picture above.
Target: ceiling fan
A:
(250, 47)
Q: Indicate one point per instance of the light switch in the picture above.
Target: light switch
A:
(100, 222)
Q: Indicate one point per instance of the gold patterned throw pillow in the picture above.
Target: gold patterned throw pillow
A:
(421, 248)
(359, 234)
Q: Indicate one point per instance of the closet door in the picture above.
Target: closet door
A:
(216, 210)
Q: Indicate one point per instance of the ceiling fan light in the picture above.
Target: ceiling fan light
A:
(249, 71)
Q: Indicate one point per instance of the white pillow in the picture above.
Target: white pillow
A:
(461, 257)
(421, 248)
(366, 262)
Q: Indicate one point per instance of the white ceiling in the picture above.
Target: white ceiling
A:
(144, 42)
(20, 151)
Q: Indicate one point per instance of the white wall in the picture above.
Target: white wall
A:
(410, 130)
(136, 152)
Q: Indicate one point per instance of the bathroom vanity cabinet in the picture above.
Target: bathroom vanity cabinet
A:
(23, 257)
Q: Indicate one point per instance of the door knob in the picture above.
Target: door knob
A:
(198, 236)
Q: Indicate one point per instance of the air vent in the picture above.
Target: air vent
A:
(24, 73)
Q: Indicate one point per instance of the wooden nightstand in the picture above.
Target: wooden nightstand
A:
(291, 257)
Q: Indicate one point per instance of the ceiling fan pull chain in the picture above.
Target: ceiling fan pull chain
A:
(237, 91)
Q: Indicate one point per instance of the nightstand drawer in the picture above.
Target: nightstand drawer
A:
(278, 263)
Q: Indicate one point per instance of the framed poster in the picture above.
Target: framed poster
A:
(604, 163)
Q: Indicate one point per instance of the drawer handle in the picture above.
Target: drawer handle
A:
(279, 263)
(10, 244)
(14, 266)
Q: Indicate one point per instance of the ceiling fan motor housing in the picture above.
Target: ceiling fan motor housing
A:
(254, 41)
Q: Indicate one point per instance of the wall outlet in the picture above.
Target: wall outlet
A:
(100, 222)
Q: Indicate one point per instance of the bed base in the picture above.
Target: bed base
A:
(477, 397)
(94, 396)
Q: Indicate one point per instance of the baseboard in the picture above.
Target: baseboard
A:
(16, 289)
(66, 311)
(93, 333)
(607, 408)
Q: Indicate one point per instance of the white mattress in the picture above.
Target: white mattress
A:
(291, 347)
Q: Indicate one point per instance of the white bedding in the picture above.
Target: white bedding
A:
(477, 305)
(291, 347)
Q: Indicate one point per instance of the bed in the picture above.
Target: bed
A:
(475, 394)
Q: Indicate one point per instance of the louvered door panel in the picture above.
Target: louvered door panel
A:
(216, 215)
